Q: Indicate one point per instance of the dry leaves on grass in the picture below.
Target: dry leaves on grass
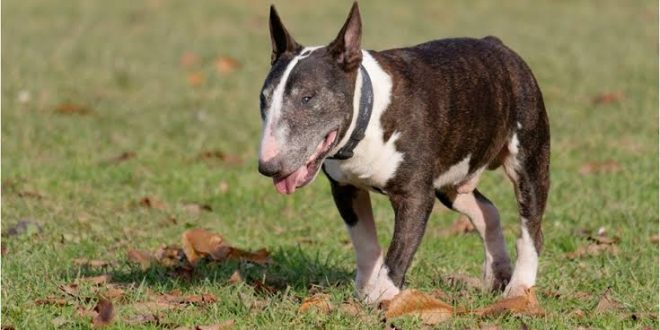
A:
(195, 79)
(68, 108)
(197, 208)
(599, 244)
(151, 202)
(105, 313)
(52, 300)
(220, 156)
(122, 157)
(235, 277)
(526, 304)
(607, 303)
(199, 243)
(227, 324)
(608, 97)
(461, 226)
(143, 258)
(600, 167)
(412, 302)
(226, 64)
(319, 302)
(83, 262)
(654, 239)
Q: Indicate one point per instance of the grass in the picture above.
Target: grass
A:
(121, 59)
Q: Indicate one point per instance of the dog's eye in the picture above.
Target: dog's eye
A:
(305, 99)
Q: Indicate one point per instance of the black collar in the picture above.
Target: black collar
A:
(363, 116)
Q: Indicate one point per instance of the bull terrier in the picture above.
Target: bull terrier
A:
(414, 124)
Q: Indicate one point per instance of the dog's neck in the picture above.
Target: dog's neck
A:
(362, 115)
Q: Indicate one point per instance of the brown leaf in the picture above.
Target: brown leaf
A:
(413, 302)
(263, 288)
(8, 327)
(105, 313)
(464, 280)
(52, 300)
(223, 187)
(113, 293)
(30, 194)
(602, 239)
(593, 249)
(607, 303)
(195, 79)
(196, 208)
(351, 308)
(124, 156)
(153, 306)
(188, 60)
(198, 243)
(143, 258)
(608, 97)
(219, 155)
(67, 108)
(169, 255)
(319, 302)
(461, 226)
(526, 304)
(654, 239)
(70, 289)
(82, 262)
(235, 277)
(94, 280)
(225, 64)
(152, 203)
(599, 167)
(261, 256)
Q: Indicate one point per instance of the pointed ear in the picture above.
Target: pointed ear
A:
(346, 47)
(280, 38)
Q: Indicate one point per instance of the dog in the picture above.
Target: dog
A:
(415, 124)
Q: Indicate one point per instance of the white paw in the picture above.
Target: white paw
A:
(377, 287)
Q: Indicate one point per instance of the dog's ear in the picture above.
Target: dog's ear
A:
(280, 37)
(346, 47)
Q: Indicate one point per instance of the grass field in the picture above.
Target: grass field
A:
(85, 81)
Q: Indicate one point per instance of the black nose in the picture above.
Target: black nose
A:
(270, 168)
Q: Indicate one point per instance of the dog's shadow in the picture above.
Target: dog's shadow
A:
(292, 268)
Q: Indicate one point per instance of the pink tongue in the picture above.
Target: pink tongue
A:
(288, 184)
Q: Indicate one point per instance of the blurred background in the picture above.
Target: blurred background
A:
(112, 107)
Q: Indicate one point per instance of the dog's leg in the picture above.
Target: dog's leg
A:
(527, 166)
(372, 281)
(412, 211)
(485, 218)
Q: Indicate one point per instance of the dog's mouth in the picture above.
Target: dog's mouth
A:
(287, 184)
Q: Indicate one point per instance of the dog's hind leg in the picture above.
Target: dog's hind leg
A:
(527, 166)
(486, 220)
(373, 283)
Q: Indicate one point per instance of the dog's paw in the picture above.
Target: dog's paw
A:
(377, 288)
(515, 290)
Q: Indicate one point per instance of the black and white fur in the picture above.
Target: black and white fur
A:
(443, 112)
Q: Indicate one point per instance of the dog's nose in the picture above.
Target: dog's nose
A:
(270, 168)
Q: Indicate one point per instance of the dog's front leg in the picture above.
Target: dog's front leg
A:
(372, 282)
(412, 211)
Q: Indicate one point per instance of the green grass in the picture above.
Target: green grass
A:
(121, 59)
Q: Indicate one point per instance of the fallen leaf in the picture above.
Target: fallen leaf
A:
(124, 156)
(461, 226)
(153, 306)
(593, 249)
(235, 277)
(189, 59)
(144, 258)
(263, 288)
(526, 304)
(351, 308)
(52, 300)
(219, 155)
(319, 302)
(25, 226)
(413, 302)
(82, 262)
(152, 203)
(607, 303)
(226, 64)
(30, 194)
(581, 295)
(223, 187)
(654, 238)
(199, 242)
(608, 97)
(196, 208)
(94, 280)
(602, 239)
(67, 108)
(464, 280)
(599, 167)
(113, 293)
(578, 314)
(169, 255)
(8, 327)
(195, 79)
(261, 256)
(105, 313)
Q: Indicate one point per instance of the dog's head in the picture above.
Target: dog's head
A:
(306, 102)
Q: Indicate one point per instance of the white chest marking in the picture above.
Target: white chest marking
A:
(375, 160)
(454, 175)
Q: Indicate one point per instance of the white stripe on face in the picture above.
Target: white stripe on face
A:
(274, 134)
